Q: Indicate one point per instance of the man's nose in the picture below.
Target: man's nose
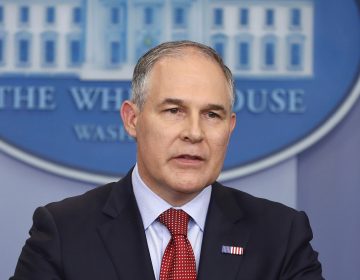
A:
(193, 131)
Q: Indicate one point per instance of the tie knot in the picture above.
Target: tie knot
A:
(176, 221)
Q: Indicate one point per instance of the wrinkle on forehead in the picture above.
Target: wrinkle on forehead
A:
(199, 74)
(182, 54)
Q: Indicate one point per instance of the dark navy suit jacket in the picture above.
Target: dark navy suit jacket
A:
(100, 235)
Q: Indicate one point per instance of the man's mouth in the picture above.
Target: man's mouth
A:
(189, 157)
(189, 160)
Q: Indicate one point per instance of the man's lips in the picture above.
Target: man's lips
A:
(188, 158)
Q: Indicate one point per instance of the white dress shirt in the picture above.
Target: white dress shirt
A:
(157, 235)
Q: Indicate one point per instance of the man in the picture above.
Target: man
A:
(181, 117)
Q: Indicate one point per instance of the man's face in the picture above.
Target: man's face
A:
(183, 129)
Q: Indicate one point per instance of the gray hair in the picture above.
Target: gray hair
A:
(171, 49)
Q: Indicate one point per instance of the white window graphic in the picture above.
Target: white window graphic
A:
(49, 46)
(1, 15)
(77, 16)
(295, 52)
(24, 15)
(295, 18)
(218, 17)
(75, 50)
(219, 44)
(23, 49)
(50, 16)
(269, 17)
(104, 38)
(180, 17)
(243, 52)
(115, 15)
(269, 52)
(244, 17)
(149, 16)
(2, 47)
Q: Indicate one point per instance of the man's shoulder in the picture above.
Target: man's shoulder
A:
(93, 203)
(254, 206)
(93, 198)
(80, 210)
(98, 194)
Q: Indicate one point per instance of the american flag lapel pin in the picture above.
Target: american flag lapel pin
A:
(232, 250)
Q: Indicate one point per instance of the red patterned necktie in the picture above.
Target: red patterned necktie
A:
(178, 262)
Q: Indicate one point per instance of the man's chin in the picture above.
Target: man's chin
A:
(190, 186)
(181, 195)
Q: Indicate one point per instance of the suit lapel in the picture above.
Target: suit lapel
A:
(124, 236)
(226, 225)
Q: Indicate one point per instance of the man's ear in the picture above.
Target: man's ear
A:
(129, 114)
(232, 122)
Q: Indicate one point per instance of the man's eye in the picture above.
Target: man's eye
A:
(213, 115)
(173, 110)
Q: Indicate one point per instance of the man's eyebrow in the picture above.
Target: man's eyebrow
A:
(174, 101)
(180, 102)
(215, 107)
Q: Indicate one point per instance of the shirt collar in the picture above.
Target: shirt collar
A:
(151, 205)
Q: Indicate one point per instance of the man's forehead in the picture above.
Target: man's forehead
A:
(190, 59)
(184, 54)
(168, 67)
